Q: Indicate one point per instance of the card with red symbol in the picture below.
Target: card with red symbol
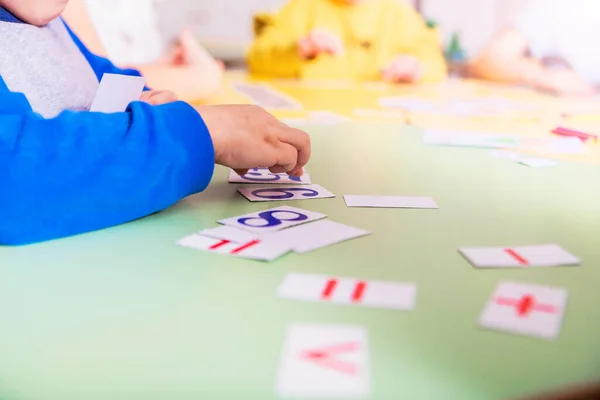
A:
(525, 309)
(325, 361)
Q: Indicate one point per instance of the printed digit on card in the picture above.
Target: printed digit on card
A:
(271, 220)
(284, 193)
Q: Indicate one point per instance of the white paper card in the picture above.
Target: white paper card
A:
(116, 92)
(313, 236)
(285, 193)
(325, 361)
(272, 220)
(390, 201)
(537, 162)
(326, 118)
(525, 309)
(511, 155)
(228, 233)
(263, 175)
(547, 255)
(267, 97)
(367, 293)
(255, 249)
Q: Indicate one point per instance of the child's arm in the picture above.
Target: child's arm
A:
(83, 171)
(505, 59)
(275, 50)
(417, 39)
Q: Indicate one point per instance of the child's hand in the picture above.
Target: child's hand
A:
(565, 82)
(246, 136)
(403, 69)
(158, 97)
(320, 41)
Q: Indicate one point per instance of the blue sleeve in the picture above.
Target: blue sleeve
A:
(84, 171)
(100, 65)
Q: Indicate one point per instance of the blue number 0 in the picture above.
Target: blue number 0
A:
(286, 193)
(271, 220)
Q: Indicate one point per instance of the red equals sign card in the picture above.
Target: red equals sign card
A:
(547, 255)
(253, 249)
(525, 309)
(324, 361)
(349, 291)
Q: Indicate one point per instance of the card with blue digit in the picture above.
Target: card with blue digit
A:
(272, 220)
(285, 193)
(263, 175)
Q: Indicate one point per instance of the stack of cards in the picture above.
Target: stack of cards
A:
(267, 235)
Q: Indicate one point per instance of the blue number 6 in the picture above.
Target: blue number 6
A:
(286, 193)
(269, 217)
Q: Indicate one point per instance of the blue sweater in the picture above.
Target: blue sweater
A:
(84, 171)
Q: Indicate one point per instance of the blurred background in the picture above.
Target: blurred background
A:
(224, 27)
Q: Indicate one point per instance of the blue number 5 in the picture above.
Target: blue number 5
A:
(271, 220)
(285, 193)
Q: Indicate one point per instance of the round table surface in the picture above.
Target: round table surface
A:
(125, 313)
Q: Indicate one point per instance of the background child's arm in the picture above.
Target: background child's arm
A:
(417, 39)
(275, 50)
(506, 59)
(83, 171)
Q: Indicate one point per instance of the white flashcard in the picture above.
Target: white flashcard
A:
(565, 145)
(537, 162)
(525, 309)
(326, 118)
(263, 175)
(272, 220)
(510, 155)
(470, 139)
(368, 112)
(367, 293)
(267, 97)
(228, 233)
(116, 92)
(313, 236)
(390, 201)
(285, 193)
(407, 103)
(325, 361)
(546, 255)
(255, 249)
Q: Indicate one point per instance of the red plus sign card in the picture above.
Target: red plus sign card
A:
(525, 309)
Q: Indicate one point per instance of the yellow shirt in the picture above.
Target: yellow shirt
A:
(373, 33)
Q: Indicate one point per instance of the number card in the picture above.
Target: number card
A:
(255, 249)
(272, 220)
(524, 309)
(325, 361)
(390, 201)
(285, 193)
(263, 175)
(547, 255)
(348, 291)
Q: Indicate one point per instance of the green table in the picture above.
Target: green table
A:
(126, 314)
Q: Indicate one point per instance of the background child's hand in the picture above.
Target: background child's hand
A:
(403, 69)
(246, 136)
(320, 41)
(158, 97)
(565, 82)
